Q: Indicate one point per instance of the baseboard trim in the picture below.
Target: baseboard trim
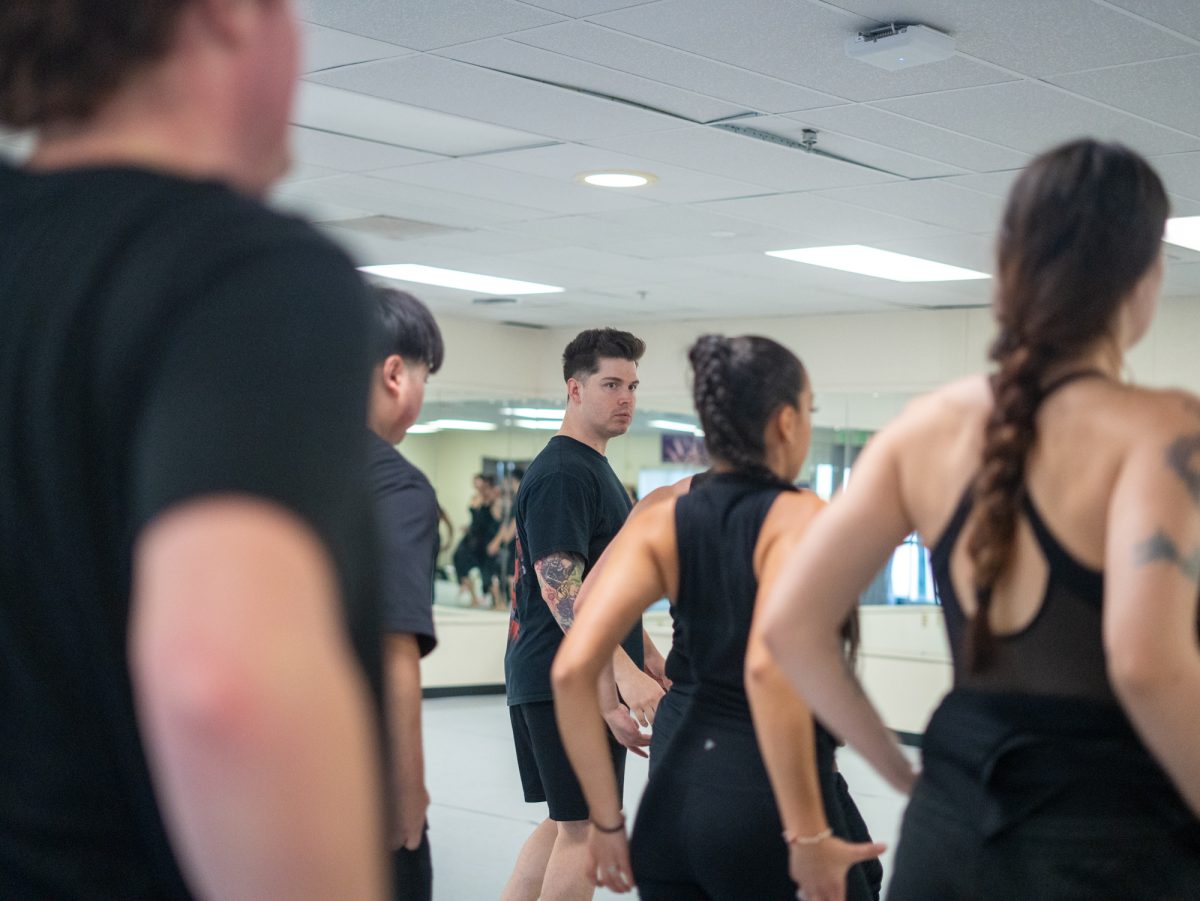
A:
(462, 691)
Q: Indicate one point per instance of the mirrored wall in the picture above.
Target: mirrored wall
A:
(458, 441)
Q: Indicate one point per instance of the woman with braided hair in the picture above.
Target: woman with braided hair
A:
(1063, 510)
(708, 827)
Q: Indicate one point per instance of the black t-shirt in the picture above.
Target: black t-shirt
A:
(161, 340)
(570, 501)
(407, 510)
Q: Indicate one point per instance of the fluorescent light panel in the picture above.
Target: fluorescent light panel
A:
(897, 267)
(532, 413)
(545, 424)
(667, 425)
(423, 428)
(1183, 231)
(463, 281)
(464, 425)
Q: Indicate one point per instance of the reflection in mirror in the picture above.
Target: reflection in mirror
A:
(458, 440)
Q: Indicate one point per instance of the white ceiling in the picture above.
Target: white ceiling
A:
(472, 117)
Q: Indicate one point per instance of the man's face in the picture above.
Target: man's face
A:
(608, 397)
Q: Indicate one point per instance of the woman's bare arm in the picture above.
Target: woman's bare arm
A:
(819, 587)
(1152, 569)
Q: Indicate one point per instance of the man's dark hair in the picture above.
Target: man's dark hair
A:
(61, 59)
(404, 326)
(582, 356)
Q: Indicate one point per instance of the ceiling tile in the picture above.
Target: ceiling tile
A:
(392, 198)
(578, 8)
(1179, 15)
(674, 185)
(476, 93)
(998, 184)
(1033, 37)
(346, 154)
(869, 153)
(1163, 91)
(342, 112)
(560, 196)
(740, 157)
(873, 124)
(425, 24)
(830, 221)
(1181, 172)
(801, 43)
(521, 59)
(326, 48)
(583, 40)
(932, 201)
(1033, 117)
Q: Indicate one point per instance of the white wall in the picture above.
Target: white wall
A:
(864, 353)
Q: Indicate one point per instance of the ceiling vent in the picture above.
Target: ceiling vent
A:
(894, 47)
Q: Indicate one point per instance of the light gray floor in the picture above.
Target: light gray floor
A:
(478, 820)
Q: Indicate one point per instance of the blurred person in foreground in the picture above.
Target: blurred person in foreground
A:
(189, 639)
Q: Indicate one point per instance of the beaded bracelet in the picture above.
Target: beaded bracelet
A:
(620, 827)
(793, 839)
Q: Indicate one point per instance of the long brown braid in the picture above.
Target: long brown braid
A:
(1082, 226)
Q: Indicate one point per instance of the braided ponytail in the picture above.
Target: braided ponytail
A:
(1000, 485)
(1082, 226)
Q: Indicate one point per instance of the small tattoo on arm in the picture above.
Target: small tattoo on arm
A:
(1183, 457)
(1160, 547)
(561, 576)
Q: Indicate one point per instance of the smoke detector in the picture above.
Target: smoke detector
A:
(894, 47)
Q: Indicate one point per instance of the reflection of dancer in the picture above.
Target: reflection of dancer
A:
(709, 550)
(473, 550)
(1063, 509)
(503, 548)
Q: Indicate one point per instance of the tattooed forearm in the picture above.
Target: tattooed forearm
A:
(1183, 456)
(560, 577)
(1159, 546)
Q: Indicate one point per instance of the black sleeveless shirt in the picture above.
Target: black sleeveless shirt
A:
(1061, 651)
(717, 526)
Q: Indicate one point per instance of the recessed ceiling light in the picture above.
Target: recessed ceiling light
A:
(532, 413)
(464, 281)
(1184, 231)
(871, 261)
(667, 425)
(617, 178)
(463, 425)
(545, 424)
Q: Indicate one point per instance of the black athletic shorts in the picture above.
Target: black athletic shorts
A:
(546, 773)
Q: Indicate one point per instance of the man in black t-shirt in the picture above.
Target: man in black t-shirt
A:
(188, 620)
(407, 350)
(570, 506)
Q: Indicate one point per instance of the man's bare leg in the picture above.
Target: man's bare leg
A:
(525, 883)
(566, 871)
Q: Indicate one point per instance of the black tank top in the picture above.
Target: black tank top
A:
(1060, 651)
(717, 526)
(678, 667)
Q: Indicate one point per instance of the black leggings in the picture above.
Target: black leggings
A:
(708, 828)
